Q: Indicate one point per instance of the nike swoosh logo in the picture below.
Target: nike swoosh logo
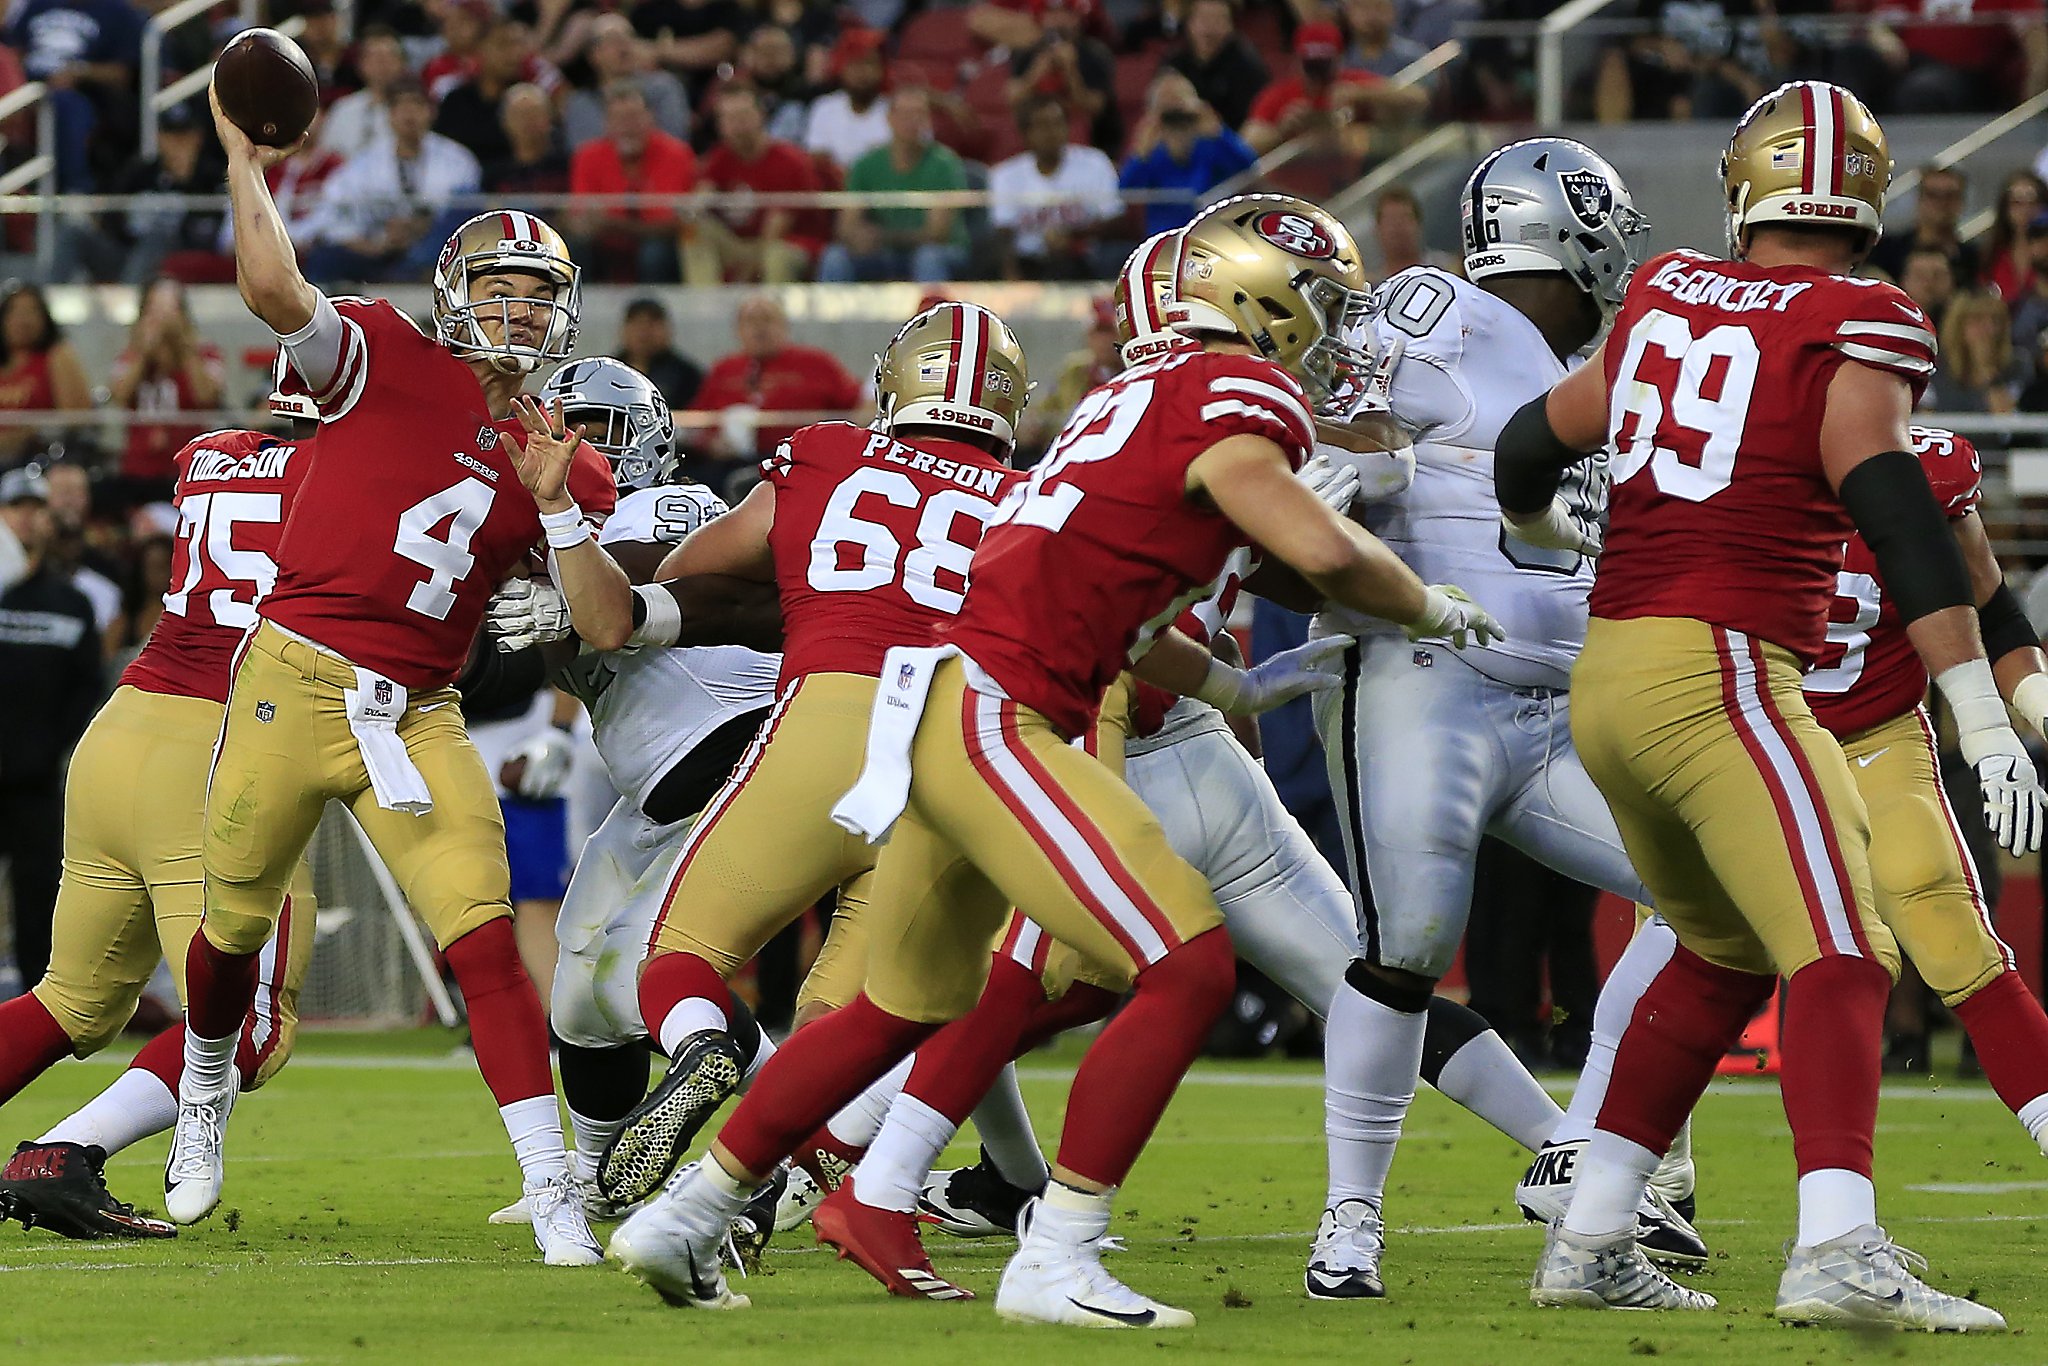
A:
(1866, 760)
(1142, 1319)
(1909, 310)
(434, 706)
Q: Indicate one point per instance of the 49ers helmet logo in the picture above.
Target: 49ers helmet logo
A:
(1293, 233)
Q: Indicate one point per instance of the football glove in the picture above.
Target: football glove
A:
(1448, 613)
(1334, 483)
(1559, 527)
(527, 612)
(1284, 677)
(2015, 808)
(2030, 702)
(548, 758)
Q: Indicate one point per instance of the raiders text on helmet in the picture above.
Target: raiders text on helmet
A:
(1278, 272)
(622, 414)
(1552, 205)
(506, 240)
(1808, 152)
(955, 366)
(1143, 295)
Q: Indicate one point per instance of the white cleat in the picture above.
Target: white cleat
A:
(799, 1199)
(672, 1245)
(196, 1170)
(1667, 1238)
(1049, 1281)
(561, 1230)
(1863, 1279)
(1605, 1272)
(1344, 1263)
(595, 1206)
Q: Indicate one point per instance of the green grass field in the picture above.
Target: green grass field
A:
(353, 1231)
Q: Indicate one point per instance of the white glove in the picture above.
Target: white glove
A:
(1335, 484)
(1448, 613)
(1559, 527)
(527, 612)
(548, 757)
(2015, 807)
(1284, 677)
(2030, 702)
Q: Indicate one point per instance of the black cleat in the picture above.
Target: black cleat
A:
(754, 1225)
(62, 1187)
(1668, 1237)
(972, 1202)
(704, 1073)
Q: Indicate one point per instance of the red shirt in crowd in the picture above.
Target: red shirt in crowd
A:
(152, 450)
(667, 166)
(1965, 34)
(796, 379)
(446, 70)
(1282, 97)
(782, 168)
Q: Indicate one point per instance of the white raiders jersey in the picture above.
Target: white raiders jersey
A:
(651, 706)
(1471, 361)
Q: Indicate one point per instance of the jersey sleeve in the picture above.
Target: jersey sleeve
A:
(1954, 471)
(1875, 324)
(664, 515)
(590, 482)
(1257, 398)
(1419, 310)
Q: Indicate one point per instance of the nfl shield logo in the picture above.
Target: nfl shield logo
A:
(1424, 659)
(1590, 195)
(905, 673)
(266, 712)
(487, 438)
(383, 692)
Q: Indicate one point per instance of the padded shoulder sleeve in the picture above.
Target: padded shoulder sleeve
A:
(1954, 471)
(1239, 395)
(1875, 324)
(1422, 306)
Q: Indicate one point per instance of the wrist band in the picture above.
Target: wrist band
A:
(660, 618)
(566, 528)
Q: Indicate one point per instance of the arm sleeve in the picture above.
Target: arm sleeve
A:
(495, 680)
(1529, 461)
(1888, 499)
(2005, 625)
(319, 348)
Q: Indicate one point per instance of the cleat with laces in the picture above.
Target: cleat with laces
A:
(1605, 1272)
(672, 1245)
(1344, 1263)
(644, 1154)
(1665, 1234)
(800, 1197)
(1864, 1279)
(561, 1229)
(62, 1187)
(196, 1170)
(1052, 1280)
(972, 1202)
(883, 1243)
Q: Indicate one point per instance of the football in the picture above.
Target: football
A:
(266, 86)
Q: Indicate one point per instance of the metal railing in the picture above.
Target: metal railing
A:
(155, 99)
(41, 168)
(1550, 72)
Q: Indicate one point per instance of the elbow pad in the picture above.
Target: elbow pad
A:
(1529, 461)
(1895, 513)
(2005, 626)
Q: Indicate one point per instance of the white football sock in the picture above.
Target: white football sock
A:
(1611, 1177)
(903, 1154)
(2034, 1115)
(209, 1063)
(1004, 1126)
(1071, 1217)
(1833, 1201)
(1488, 1079)
(1372, 1058)
(864, 1115)
(593, 1136)
(137, 1105)
(535, 1128)
(692, 1015)
(763, 1051)
(1638, 966)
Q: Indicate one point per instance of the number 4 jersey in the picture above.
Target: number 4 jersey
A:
(413, 512)
(1870, 672)
(1717, 377)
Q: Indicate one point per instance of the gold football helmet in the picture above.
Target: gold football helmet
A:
(1279, 273)
(1143, 294)
(507, 240)
(1808, 152)
(954, 366)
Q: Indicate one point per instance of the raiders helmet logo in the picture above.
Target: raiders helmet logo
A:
(1295, 234)
(1589, 194)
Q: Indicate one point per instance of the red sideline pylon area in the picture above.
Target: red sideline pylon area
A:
(1756, 1052)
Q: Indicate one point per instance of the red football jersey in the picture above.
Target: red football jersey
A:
(1203, 622)
(413, 512)
(1870, 673)
(235, 490)
(1102, 546)
(872, 539)
(1717, 376)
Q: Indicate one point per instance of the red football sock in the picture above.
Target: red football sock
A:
(822, 1066)
(1834, 1045)
(165, 1056)
(220, 988)
(1134, 1067)
(827, 1156)
(1684, 1023)
(31, 1042)
(506, 1027)
(956, 1066)
(2010, 1031)
(669, 979)
(1081, 1005)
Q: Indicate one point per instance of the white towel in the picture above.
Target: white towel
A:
(375, 705)
(870, 807)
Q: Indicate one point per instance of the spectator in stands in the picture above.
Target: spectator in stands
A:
(387, 210)
(463, 24)
(1397, 228)
(2030, 310)
(358, 119)
(86, 51)
(816, 25)
(533, 163)
(690, 37)
(2008, 266)
(296, 186)
(1976, 371)
(323, 43)
(469, 112)
(768, 374)
(1937, 212)
(768, 62)
(142, 600)
(633, 157)
(1318, 97)
(50, 675)
(1180, 145)
(771, 246)
(1929, 279)
(901, 242)
(134, 245)
(70, 494)
(1226, 72)
(39, 371)
(1052, 238)
(166, 368)
(647, 343)
(1376, 46)
(1070, 66)
(848, 123)
(616, 53)
(1948, 58)
(1432, 22)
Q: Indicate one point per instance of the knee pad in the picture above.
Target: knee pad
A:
(91, 1024)
(239, 929)
(1410, 1000)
